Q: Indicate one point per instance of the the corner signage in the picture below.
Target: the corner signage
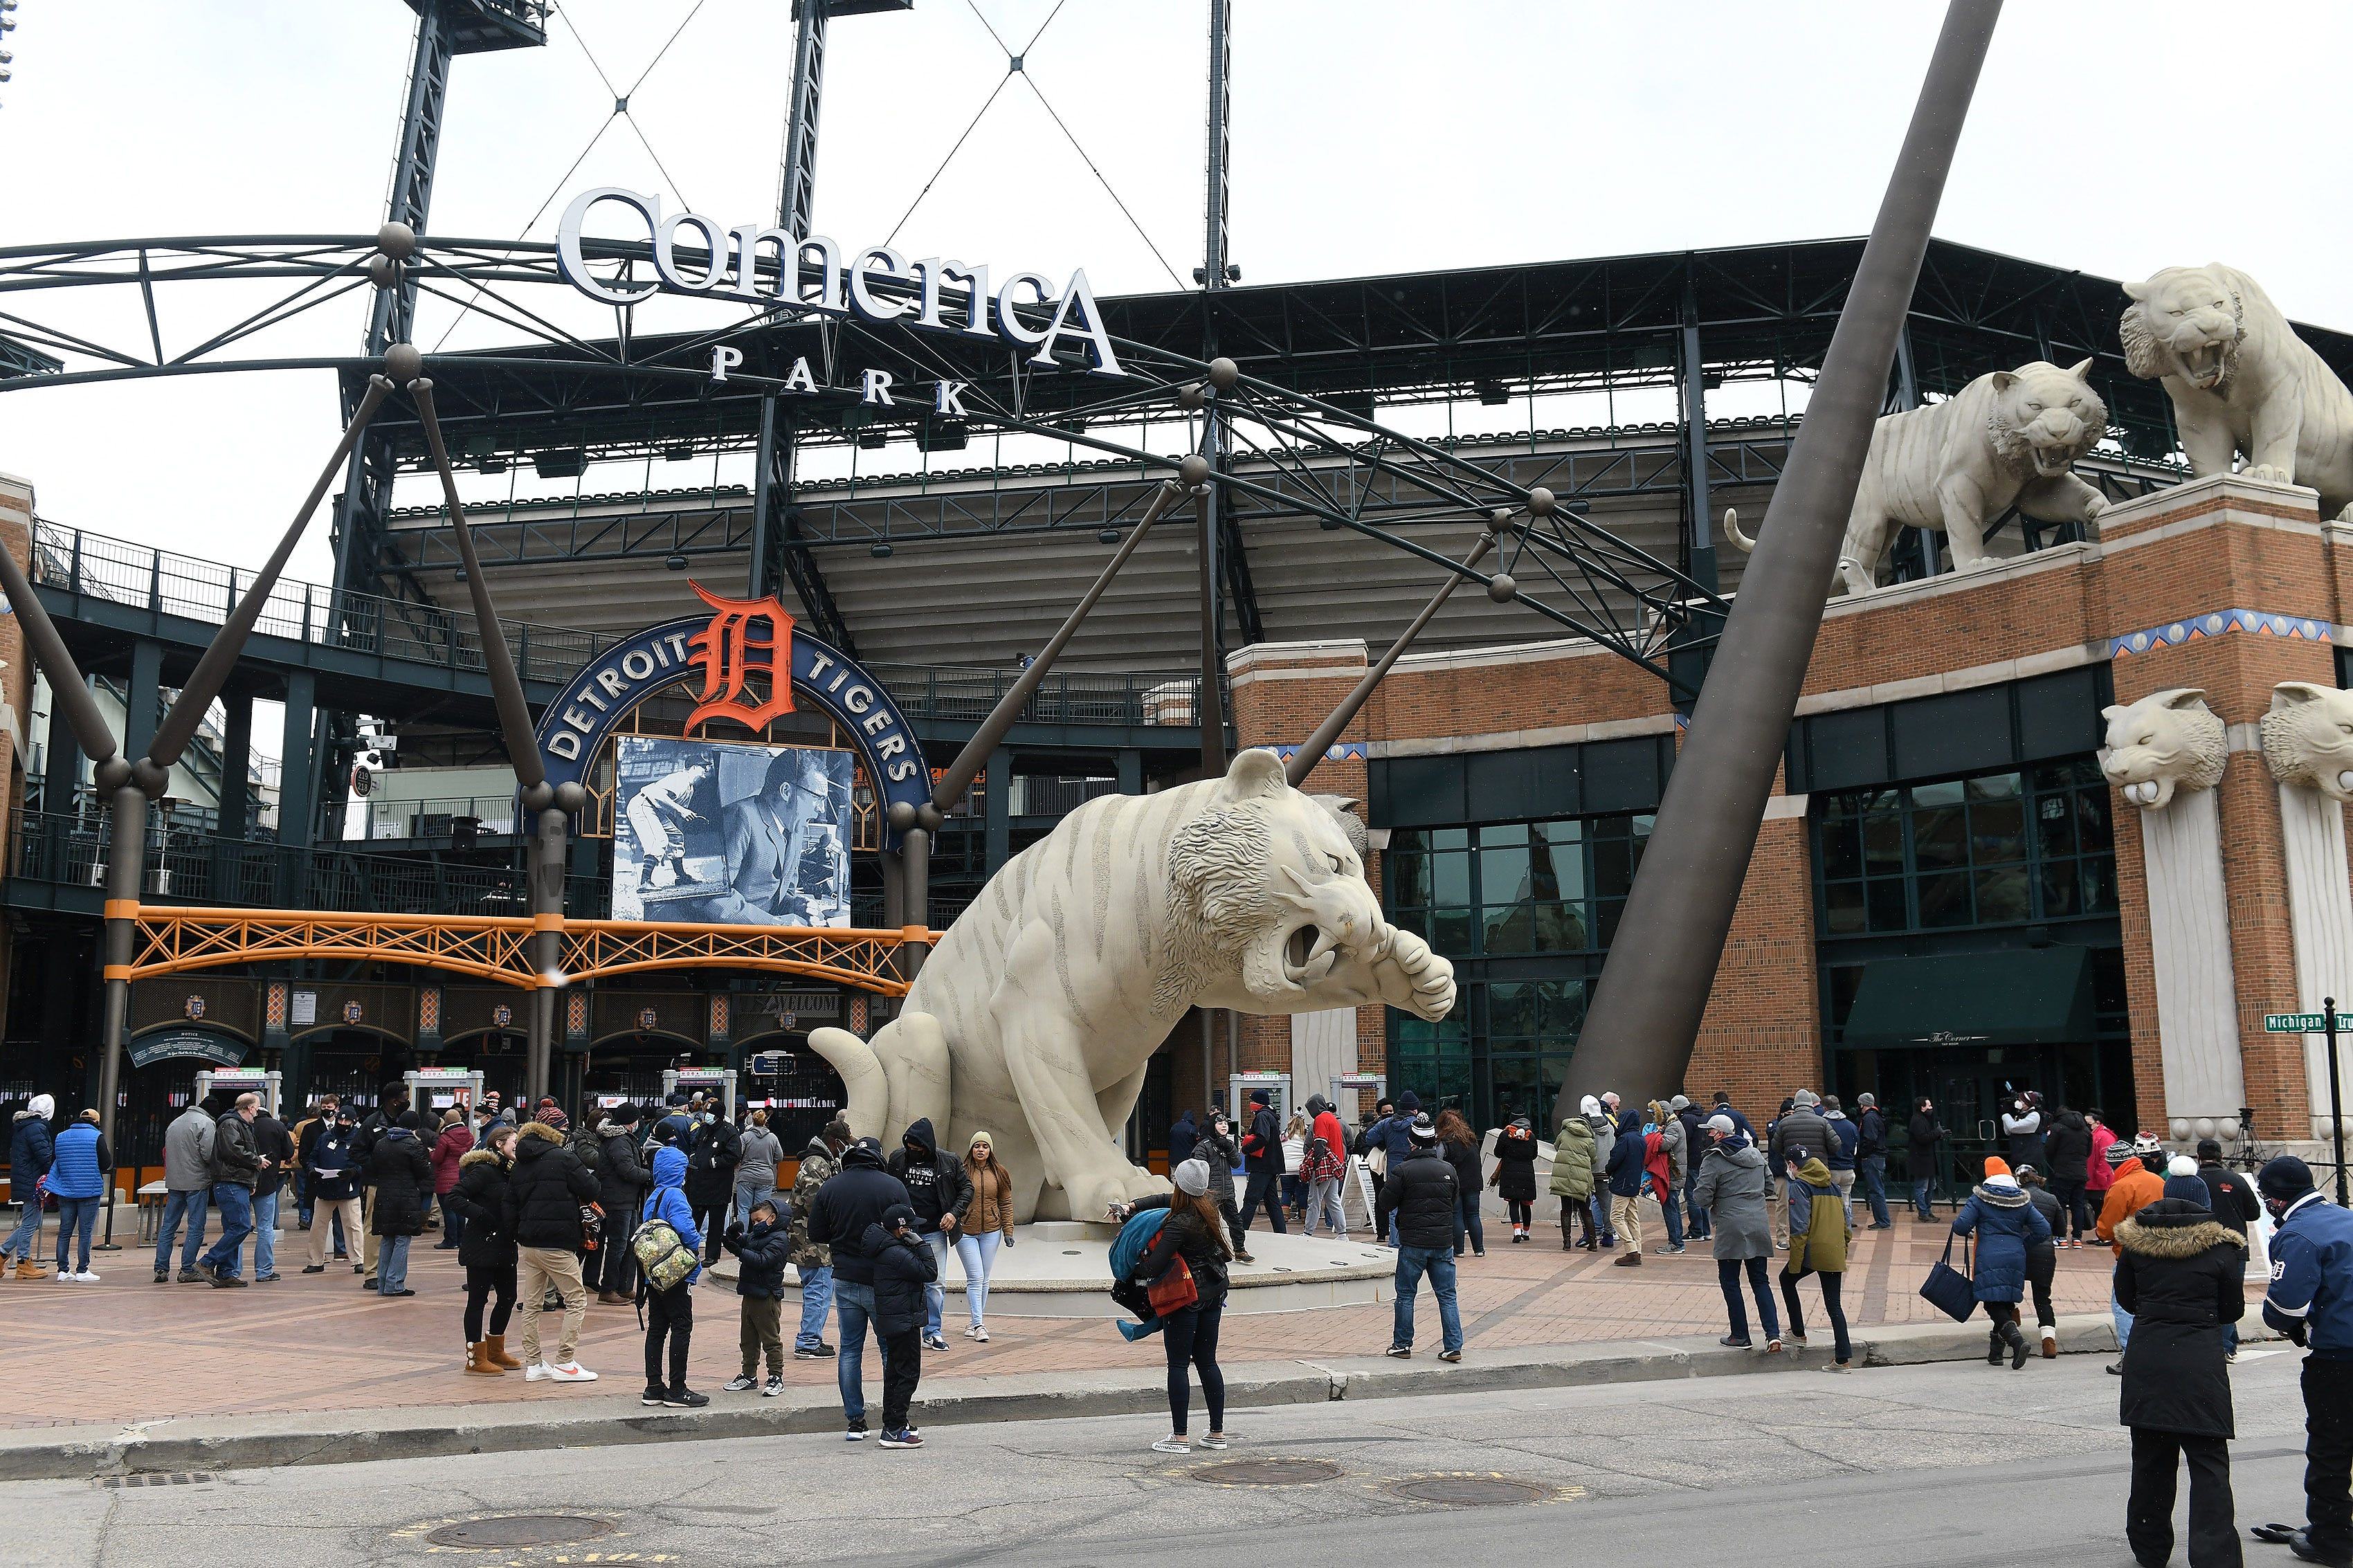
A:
(2305, 1023)
(811, 276)
(738, 638)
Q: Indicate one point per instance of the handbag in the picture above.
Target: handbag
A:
(1175, 1290)
(1948, 1290)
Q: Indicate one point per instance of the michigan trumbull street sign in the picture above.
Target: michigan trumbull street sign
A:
(2303, 1022)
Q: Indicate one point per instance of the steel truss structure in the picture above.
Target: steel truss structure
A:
(169, 941)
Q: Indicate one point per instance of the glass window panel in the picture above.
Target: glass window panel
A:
(1949, 792)
(1563, 1003)
(1503, 875)
(1991, 786)
(1606, 915)
(2051, 777)
(1512, 1010)
(1944, 900)
(2002, 896)
(1406, 880)
(1444, 1085)
(2099, 885)
(1449, 881)
(1504, 834)
(1561, 832)
(1449, 932)
(1449, 838)
(1560, 928)
(1642, 825)
(2061, 890)
(1884, 898)
(1842, 843)
(2054, 826)
(1526, 1086)
(1883, 842)
(1509, 930)
(1844, 909)
(1407, 840)
(1939, 838)
(1544, 881)
(1613, 868)
(2092, 831)
(1414, 921)
(1997, 831)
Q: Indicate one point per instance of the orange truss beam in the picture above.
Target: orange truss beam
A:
(497, 948)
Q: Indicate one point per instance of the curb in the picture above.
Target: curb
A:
(211, 1443)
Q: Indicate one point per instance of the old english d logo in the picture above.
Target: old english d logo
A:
(729, 651)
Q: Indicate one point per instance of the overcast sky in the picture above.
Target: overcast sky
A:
(1369, 136)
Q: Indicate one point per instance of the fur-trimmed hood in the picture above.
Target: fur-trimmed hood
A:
(2172, 1228)
(2000, 1197)
(478, 1157)
(540, 1130)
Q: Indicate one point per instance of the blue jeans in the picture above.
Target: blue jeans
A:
(235, 1205)
(265, 1236)
(1699, 1230)
(1870, 1175)
(1439, 1262)
(1727, 1278)
(748, 1193)
(2122, 1319)
(1920, 1186)
(935, 1295)
(979, 1256)
(1673, 1215)
(27, 1234)
(855, 1302)
(192, 1205)
(76, 1214)
(391, 1264)
(1467, 1223)
(817, 1299)
(1600, 1203)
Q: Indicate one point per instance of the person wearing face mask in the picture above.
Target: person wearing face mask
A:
(1926, 1133)
(940, 1193)
(1215, 1148)
(711, 1164)
(334, 1174)
(2311, 1301)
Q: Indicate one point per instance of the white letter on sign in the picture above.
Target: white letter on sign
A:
(725, 359)
(878, 387)
(947, 397)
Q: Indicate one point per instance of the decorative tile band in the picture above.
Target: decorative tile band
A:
(2216, 622)
(1345, 750)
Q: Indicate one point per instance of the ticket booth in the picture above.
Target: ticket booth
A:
(230, 1082)
(704, 1081)
(432, 1091)
(1243, 1085)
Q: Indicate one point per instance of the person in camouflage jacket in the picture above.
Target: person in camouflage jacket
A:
(814, 1260)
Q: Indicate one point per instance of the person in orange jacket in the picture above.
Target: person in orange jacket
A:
(2139, 1180)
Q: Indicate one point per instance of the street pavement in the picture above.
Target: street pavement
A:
(1949, 1466)
(127, 1351)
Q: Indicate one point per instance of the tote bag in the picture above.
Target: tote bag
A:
(1175, 1291)
(1949, 1290)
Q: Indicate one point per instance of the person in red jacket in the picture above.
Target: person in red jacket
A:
(455, 1142)
(1324, 1176)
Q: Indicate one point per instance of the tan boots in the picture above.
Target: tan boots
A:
(28, 1269)
(478, 1362)
(494, 1353)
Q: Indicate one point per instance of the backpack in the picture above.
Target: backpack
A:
(592, 1227)
(1134, 1239)
(587, 1148)
(662, 1254)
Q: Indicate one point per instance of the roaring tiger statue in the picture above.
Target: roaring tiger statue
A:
(1952, 467)
(2242, 382)
(1037, 1015)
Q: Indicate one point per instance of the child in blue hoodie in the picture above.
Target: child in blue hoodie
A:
(670, 1313)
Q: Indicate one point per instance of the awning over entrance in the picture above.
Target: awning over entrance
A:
(2035, 996)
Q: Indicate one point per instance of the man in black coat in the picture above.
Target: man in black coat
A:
(939, 1193)
(1420, 1192)
(1181, 1138)
(546, 1193)
(1926, 1133)
(623, 1179)
(1871, 1158)
(854, 1197)
(1262, 1159)
(2182, 1275)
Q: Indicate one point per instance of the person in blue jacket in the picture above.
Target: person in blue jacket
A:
(2006, 1223)
(78, 1180)
(29, 1153)
(2311, 1301)
(1627, 1177)
(670, 1313)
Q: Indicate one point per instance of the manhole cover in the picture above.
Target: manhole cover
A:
(1267, 1472)
(1469, 1490)
(520, 1530)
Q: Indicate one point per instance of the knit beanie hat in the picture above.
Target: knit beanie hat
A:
(2182, 1165)
(2191, 1188)
(1997, 1167)
(1805, 1097)
(1422, 1131)
(980, 1137)
(2286, 1177)
(1680, 1102)
(2120, 1152)
(1193, 1178)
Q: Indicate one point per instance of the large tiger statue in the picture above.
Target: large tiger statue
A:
(1037, 1015)
(1952, 467)
(2242, 382)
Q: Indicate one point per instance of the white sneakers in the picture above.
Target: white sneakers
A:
(570, 1372)
(65, 1277)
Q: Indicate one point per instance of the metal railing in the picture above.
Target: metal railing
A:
(206, 869)
(961, 695)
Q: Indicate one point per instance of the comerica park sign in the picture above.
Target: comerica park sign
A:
(763, 266)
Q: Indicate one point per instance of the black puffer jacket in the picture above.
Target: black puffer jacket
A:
(902, 1265)
(854, 1197)
(1515, 1161)
(710, 1165)
(2067, 1145)
(1803, 1126)
(546, 1190)
(1184, 1236)
(1420, 1191)
(762, 1251)
(623, 1177)
(401, 1172)
(479, 1199)
(2182, 1275)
